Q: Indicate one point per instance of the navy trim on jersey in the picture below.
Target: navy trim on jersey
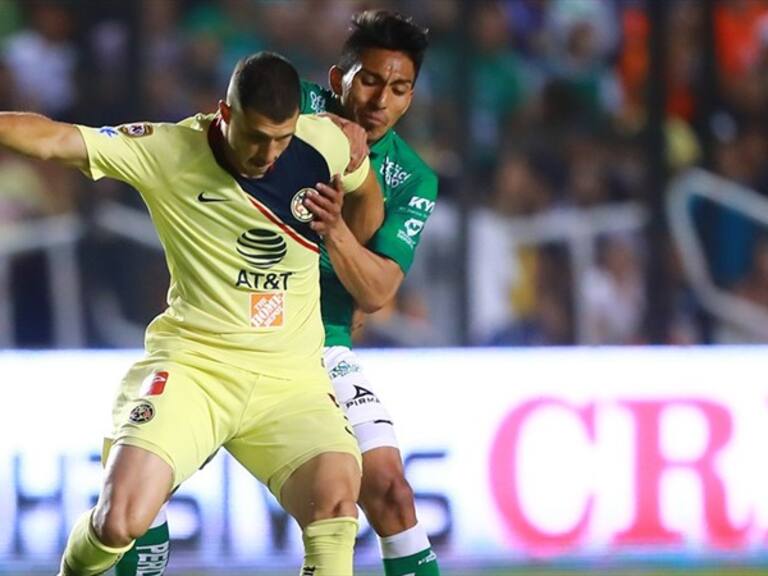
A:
(299, 166)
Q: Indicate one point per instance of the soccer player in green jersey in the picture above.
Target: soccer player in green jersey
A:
(236, 359)
(373, 84)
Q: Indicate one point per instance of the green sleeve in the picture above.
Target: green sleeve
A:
(314, 98)
(406, 215)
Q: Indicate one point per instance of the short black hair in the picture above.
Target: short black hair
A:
(386, 30)
(268, 84)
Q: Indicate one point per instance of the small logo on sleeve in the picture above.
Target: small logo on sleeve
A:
(154, 385)
(422, 204)
(137, 130)
(267, 309)
(413, 226)
(108, 131)
(410, 230)
(142, 413)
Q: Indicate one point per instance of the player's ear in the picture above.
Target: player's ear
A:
(225, 111)
(335, 77)
(410, 101)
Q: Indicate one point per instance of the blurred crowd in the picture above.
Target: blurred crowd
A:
(533, 112)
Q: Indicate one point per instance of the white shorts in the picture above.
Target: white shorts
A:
(370, 419)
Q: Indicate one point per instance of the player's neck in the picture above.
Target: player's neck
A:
(217, 139)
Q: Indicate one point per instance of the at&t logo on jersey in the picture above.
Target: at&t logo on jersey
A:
(261, 248)
(393, 173)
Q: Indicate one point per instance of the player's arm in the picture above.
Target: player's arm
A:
(358, 140)
(372, 280)
(39, 137)
(363, 209)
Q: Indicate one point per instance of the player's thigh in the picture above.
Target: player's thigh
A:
(136, 485)
(369, 417)
(326, 486)
(166, 408)
(301, 422)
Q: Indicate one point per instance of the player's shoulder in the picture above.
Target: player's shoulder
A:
(322, 134)
(197, 123)
(403, 165)
(149, 132)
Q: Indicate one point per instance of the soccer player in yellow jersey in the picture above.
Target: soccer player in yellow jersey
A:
(235, 360)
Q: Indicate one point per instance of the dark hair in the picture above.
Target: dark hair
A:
(269, 84)
(387, 30)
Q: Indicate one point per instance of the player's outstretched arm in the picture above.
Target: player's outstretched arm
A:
(39, 137)
(371, 279)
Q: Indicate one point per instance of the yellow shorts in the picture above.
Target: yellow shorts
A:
(184, 412)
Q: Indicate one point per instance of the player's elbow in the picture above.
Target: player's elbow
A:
(374, 301)
(371, 305)
(45, 151)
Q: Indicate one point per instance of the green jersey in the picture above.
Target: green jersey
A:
(409, 187)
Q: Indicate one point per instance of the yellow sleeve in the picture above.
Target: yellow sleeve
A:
(352, 181)
(331, 142)
(123, 153)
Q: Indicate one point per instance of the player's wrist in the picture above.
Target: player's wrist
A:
(338, 235)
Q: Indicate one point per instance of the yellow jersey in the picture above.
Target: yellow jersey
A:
(242, 257)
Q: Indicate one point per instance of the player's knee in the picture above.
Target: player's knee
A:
(118, 526)
(387, 490)
(336, 501)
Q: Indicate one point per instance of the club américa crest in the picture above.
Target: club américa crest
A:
(142, 413)
(299, 211)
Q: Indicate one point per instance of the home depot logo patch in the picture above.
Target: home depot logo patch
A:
(267, 309)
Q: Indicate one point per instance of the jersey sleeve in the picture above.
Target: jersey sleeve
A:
(328, 138)
(406, 215)
(314, 99)
(124, 153)
(352, 181)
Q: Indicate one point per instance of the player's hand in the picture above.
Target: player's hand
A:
(358, 140)
(325, 205)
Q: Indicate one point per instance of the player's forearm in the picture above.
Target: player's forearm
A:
(363, 216)
(363, 210)
(368, 277)
(39, 137)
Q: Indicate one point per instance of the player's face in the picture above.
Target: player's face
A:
(255, 142)
(378, 90)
